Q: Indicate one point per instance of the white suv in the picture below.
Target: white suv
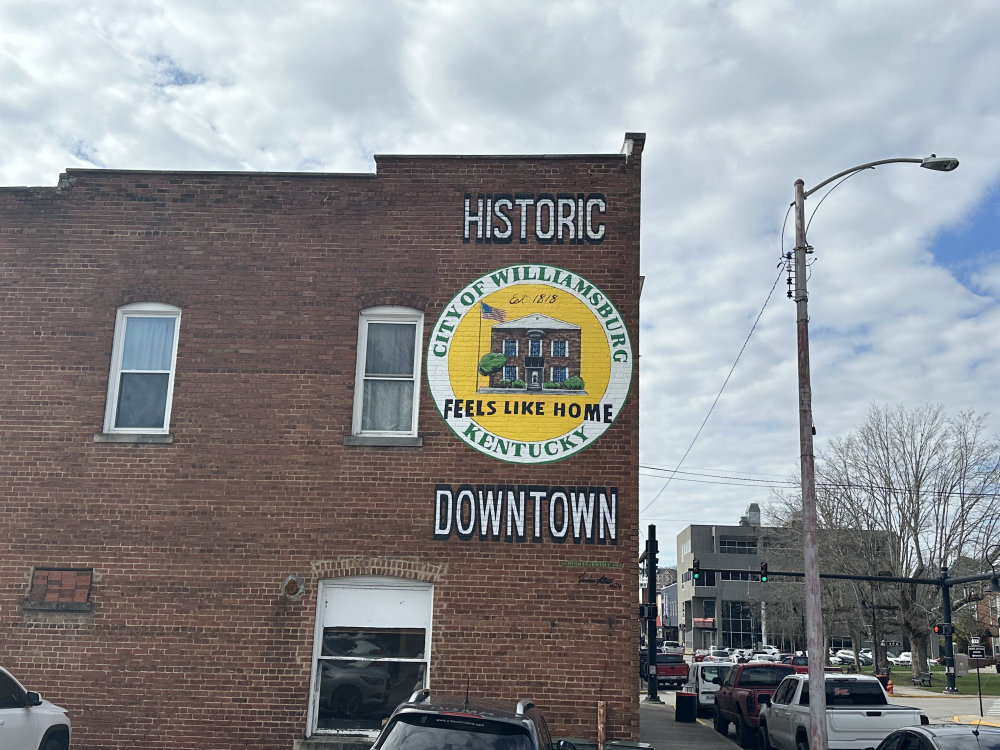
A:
(27, 722)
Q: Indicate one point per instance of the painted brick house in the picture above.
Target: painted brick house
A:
(255, 490)
(536, 349)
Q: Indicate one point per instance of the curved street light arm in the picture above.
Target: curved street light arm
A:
(860, 167)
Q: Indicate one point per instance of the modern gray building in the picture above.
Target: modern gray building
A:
(722, 609)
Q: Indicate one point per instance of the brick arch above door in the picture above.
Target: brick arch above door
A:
(380, 565)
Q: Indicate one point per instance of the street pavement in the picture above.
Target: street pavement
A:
(659, 728)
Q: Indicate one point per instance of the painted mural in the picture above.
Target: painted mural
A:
(529, 363)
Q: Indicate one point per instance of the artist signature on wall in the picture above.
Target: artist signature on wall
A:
(587, 578)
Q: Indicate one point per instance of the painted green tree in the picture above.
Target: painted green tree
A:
(491, 363)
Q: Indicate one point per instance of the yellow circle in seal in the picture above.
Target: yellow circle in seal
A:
(473, 339)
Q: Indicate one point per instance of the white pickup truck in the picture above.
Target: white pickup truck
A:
(858, 714)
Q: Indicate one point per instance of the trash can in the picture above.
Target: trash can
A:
(687, 707)
(884, 679)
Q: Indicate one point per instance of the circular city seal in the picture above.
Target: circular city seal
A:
(529, 363)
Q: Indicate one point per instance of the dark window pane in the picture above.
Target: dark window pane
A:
(142, 400)
(374, 644)
(361, 694)
(10, 694)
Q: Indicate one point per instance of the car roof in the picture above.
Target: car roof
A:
(423, 700)
(954, 730)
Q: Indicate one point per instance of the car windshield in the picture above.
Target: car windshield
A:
(420, 731)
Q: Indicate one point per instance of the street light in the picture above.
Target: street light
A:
(814, 613)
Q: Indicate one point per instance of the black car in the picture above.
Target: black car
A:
(943, 737)
(463, 724)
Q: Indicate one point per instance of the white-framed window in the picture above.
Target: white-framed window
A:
(371, 651)
(510, 372)
(535, 348)
(386, 392)
(560, 348)
(143, 357)
(559, 374)
(510, 347)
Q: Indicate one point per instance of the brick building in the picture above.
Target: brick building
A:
(255, 489)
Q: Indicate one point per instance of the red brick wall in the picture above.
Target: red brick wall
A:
(189, 644)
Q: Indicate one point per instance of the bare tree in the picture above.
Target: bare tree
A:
(920, 490)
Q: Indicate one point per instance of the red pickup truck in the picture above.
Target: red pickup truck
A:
(738, 699)
(671, 669)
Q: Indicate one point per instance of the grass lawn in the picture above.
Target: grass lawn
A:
(989, 679)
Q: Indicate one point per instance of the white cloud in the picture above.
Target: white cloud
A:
(738, 100)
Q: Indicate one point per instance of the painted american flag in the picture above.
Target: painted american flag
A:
(494, 313)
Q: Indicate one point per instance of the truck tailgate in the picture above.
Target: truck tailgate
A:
(866, 727)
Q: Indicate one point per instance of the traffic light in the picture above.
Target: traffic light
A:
(939, 629)
(763, 572)
(944, 628)
(696, 569)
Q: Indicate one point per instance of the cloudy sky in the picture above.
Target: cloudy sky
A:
(738, 99)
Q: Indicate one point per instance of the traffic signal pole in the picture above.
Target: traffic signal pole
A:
(650, 558)
(944, 583)
(949, 645)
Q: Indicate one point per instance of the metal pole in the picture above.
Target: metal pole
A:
(874, 643)
(814, 611)
(949, 646)
(652, 682)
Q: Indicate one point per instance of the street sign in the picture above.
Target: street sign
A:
(977, 653)
(973, 641)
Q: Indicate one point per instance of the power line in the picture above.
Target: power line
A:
(719, 394)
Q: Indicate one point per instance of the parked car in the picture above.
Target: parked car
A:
(671, 670)
(705, 680)
(858, 714)
(801, 663)
(738, 700)
(672, 647)
(458, 723)
(27, 722)
(846, 656)
(903, 660)
(943, 737)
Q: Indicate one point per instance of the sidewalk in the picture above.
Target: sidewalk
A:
(659, 728)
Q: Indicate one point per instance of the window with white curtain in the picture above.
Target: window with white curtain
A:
(385, 396)
(143, 356)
